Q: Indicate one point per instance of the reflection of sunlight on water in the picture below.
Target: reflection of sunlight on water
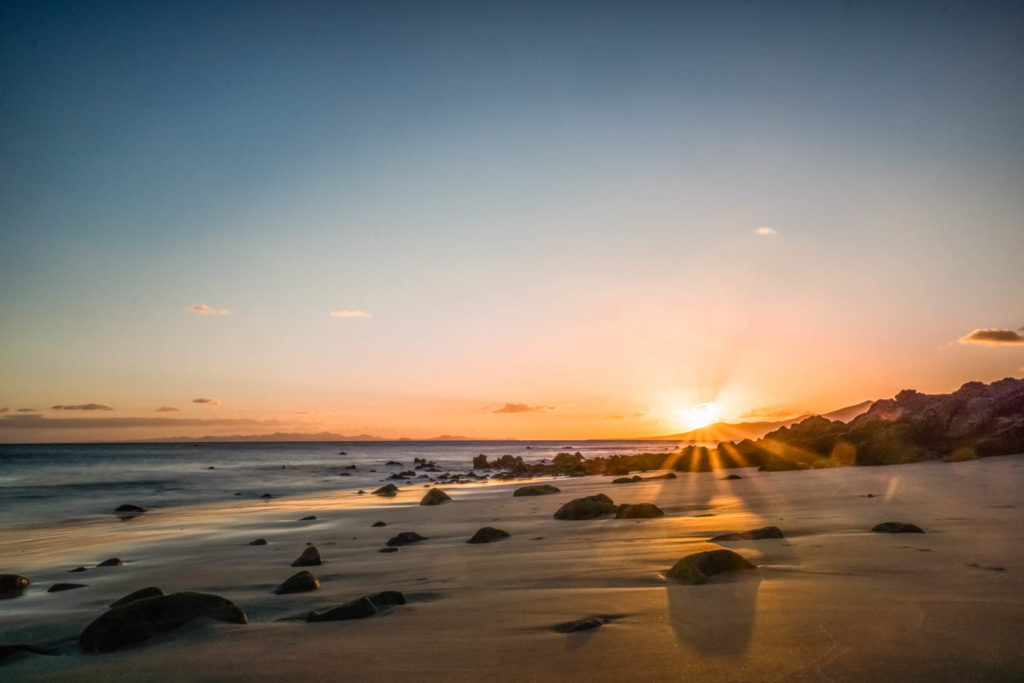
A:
(890, 491)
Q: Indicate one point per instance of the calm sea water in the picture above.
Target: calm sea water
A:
(49, 483)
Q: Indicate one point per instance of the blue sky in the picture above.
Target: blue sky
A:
(547, 203)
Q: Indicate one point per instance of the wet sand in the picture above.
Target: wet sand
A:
(831, 601)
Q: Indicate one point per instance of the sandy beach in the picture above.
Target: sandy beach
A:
(831, 601)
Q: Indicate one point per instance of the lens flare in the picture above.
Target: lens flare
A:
(698, 416)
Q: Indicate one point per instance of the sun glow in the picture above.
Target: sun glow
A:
(698, 416)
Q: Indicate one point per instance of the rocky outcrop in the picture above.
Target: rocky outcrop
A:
(140, 620)
(590, 507)
(310, 557)
(12, 585)
(435, 497)
(538, 490)
(638, 511)
(897, 528)
(752, 535)
(488, 534)
(387, 491)
(303, 582)
(700, 568)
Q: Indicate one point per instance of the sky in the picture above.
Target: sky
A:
(501, 219)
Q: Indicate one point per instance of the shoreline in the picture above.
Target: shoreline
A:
(830, 599)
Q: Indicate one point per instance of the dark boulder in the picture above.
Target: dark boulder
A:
(405, 538)
(702, 567)
(539, 490)
(77, 569)
(302, 582)
(379, 524)
(590, 507)
(354, 609)
(897, 528)
(732, 477)
(308, 518)
(639, 511)
(393, 462)
(627, 480)
(488, 534)
(258, 541)
(388, 550)
(435, 497)
(388, 491)
(752, 535)
(112, 562)
(141, 594)
(310, 557)
(480, 462)
(60, 587)
(266, 495)
(129, 509)
(140, 620)
(667, 475)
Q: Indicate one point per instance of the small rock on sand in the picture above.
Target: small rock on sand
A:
(732, 477)
(298, 583)
(627, 480)
(405, 538)
(12, 585)
(140, 620)
(590, 507)
(266, 495)
(702, 567)
(112, 562)
(128, 508)
(60, 587)
(488, 534)
(752, 535)
(388, 550)
(639, 511)
(308, 518)
(540, 490)
(435, 497)
(585, 624)
(77, 569)
(310, 557)
(897, 528)
(258, 541)
(379, 524)
(388, 491)
(355, 609)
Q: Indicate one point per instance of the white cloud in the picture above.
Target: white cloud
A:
(765, 231)
(350, 314)
(203, 309)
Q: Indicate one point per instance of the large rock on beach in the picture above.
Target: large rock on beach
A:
(140, 620)
(387, 491)
(639, 511)
(302, 582)
(435, 497)
(752, 535)
(488, 534)
(897, 528)
(405, 538)
(310, 557)
(590, 507)
(12, 585)
(702, 567)
(538, 490)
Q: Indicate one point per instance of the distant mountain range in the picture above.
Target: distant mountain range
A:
(737, 431)
(297, 436)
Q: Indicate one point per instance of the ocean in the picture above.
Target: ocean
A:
(47, 483)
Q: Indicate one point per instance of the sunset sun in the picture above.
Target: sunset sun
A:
(697, 416)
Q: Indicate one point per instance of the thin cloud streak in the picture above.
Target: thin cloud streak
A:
(522, 408)
(350, 314)
(207, 401)
(83, 406)
(168, 409)
(203, 309)
(765, 231)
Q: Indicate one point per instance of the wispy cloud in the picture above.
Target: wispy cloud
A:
(41, 422)
(167, 409)
(203, 309)
(83, 406)
(993, 337)
(765, 231)
(522, 408)
(207, 401)
(350, 314)
(26, 410)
